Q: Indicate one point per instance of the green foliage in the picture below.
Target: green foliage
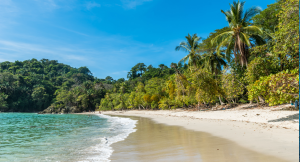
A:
(154, 105)
(242, 101)
(277, 88)
(155, 86)
(267, 19)
(3, 103)
(136, 71)
(232, 86)
(286, 46)
(253, 57)
(147, 98)
(40, 97)
(238, 39)
(190, 46)
(33, 85)
(261, 66)
(206, 86)
(243, 60)
(164, 103)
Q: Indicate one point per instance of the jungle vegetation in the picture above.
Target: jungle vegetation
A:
(253, 59)
(33, 85)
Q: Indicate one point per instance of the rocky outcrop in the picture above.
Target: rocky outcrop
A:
(64, 110)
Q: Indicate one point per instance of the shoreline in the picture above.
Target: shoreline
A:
(154, 141)
(271, 132)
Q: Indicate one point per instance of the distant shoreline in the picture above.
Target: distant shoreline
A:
(274, 133)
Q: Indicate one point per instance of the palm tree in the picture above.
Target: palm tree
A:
(214, 61)
(190, 46)
(211, 59)
(242, 33)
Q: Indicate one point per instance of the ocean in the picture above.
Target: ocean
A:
(60, 137)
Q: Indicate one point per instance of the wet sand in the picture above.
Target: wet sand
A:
(154, 141)
(273, 133)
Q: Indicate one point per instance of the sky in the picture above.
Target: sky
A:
(107, 36)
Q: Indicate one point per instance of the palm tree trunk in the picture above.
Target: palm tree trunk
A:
(242, 49)
(235, 51)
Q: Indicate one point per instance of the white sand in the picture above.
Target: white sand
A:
(270, 132)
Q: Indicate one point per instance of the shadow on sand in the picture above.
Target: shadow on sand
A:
(287, 118)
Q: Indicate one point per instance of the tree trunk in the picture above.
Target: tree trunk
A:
(242, 49)
(251, 102)
(221, 102)
(261, 99)
(229, 102)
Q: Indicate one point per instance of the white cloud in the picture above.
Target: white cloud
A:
(120, 72)
(12, 50)
(131, 4)
(90, 5)
(74, 57)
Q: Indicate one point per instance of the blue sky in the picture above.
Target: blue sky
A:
(107, 36)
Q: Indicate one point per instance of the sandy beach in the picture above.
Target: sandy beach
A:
(268, 130)
(154, 141)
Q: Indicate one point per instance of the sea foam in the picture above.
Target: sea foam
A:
(119, 129)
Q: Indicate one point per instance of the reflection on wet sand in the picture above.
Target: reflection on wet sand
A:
(158, 142)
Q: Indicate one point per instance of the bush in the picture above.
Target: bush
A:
(243, 101)
(276, 88)
(154, 105)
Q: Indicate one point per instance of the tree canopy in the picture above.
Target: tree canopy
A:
(253, 59)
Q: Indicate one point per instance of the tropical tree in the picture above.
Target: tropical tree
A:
(109, 79)
(190, 46)
(213, 60)
(286, 46)
(242, 33)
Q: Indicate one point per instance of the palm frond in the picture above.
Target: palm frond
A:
(184, 59)
(228, 51)
(250, 13)
(182, 46)
(228, 16)
(252, 30)
(219, 38)
(233, 13)
(245, 38)
(190, 41)
(240, 10)
(223, 43)
(258, 40)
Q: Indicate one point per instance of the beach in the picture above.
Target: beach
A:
(266, 130)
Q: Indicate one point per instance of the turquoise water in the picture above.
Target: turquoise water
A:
(64, 137)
